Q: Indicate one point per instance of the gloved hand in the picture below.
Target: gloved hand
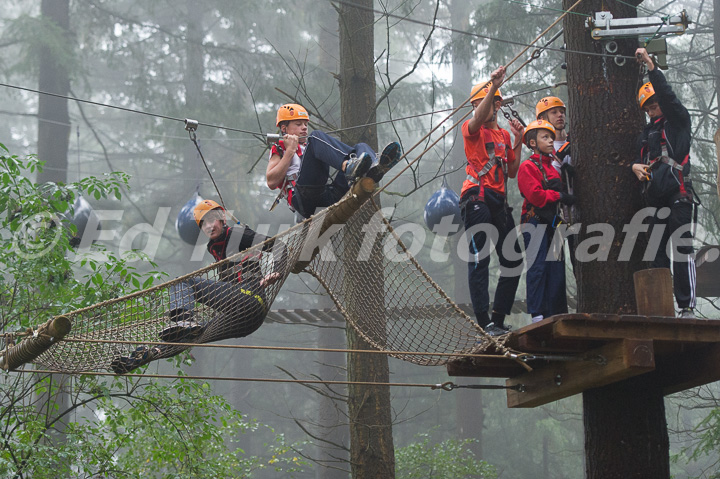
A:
(567, 199)
(567, 169)
(554, 184)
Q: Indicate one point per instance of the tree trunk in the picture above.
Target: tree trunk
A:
(331, 412)
(54, 77)
(53, 142)
(193, 80)
(716, 37)
(624, 436)
(626, 431)
(372, 454)
(469, 413)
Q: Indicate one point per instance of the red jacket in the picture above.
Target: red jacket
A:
(533, 185)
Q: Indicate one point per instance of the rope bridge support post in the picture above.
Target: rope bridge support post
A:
(32, 347)
(341, 212)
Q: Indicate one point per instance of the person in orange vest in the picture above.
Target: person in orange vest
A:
(299, 164)
(491, 161)
(541, 187)
(663, 170)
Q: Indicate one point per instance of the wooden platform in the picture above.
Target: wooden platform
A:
(592, 350)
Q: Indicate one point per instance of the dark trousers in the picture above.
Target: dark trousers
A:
(683, 261)
(312, 190)
(545, 279)
(242, 310)
(492, 211)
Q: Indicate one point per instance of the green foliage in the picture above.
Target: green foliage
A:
(62, 426)
(449, 459)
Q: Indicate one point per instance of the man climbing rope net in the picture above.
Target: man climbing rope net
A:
(238, 298)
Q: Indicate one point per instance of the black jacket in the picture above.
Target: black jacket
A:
(247, 270)
(673, 129)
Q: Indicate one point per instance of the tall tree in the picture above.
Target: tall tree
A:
(371, 443)
(625, 428)
(468, 402)
(54, 77)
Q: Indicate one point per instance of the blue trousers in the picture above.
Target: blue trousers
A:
(545, 279)
(312, 190)
(491, 211)
(242, 310)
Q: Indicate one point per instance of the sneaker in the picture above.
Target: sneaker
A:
(357, 166)
(389, 157)
(181, 332)
(492, 330)
(687, 313)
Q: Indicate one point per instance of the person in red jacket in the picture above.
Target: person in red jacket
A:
(541, 186)
(491, 161)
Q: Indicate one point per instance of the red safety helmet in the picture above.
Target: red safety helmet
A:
(203, 208)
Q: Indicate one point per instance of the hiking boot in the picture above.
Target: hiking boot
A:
(687, 313)
(125, 364)
(357, 166)
(181, 331)
(389, 157)
(492, 330)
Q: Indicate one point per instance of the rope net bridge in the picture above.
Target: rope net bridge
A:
(350, 248)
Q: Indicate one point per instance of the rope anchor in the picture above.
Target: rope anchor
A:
(449, 386)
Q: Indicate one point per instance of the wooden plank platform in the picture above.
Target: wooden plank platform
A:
(586, 351)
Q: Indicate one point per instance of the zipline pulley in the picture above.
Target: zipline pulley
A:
(191, 126)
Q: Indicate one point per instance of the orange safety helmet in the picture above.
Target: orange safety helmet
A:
(538, 125)
(646, 92)
(203, 208)
(481, 90)
(291, 111)
(548, 103)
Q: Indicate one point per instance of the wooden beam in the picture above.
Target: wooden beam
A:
(689, 369)
(501, 367)
(621, 359)
(657, 328)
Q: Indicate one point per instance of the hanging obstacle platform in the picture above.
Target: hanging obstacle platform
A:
(351, 249)
(572, 353)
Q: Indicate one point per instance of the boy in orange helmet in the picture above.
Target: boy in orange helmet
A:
(238, 296)
(491, 160)
(663, 170)
(552, 109)
(541, 186)
(300, 164)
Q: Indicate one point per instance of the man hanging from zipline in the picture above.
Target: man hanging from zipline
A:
(238, 297)
(299, 164)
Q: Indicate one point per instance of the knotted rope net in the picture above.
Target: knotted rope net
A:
(350, 248)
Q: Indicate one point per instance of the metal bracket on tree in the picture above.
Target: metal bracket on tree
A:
(604, 27)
